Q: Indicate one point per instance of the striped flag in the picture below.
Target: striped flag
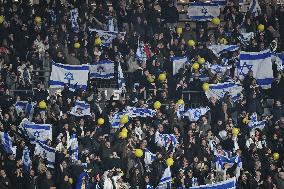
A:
(165, 181)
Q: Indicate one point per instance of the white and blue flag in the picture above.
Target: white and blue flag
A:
(218, 50)
(220, 2)
(261, 65)
(178, 63)
(149, 157)
(41, 132)
(278, 58)
(120, 78)
(107, 36)
(141, 54)
(166, 140)
(194, 114)
(46, 152)
(74, 75)
(220, 89)
(148, 186)
(115, 119)
(26, 107)
(6, 142)
(165, 181)
(74, 23)
(228, 184)
(73, 147)
(199, 11)
(254, 8)
(81, 108)
(218, 69)
(255, 124)
(245, 38)
(26, 159)
(140, 112)
(103, 69)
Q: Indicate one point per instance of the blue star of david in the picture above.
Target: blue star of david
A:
(245, 65)
(204, 11)
(69, 76)
(36, 134)
(197, 113)
(218, 69)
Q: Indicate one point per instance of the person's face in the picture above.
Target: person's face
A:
(281, 175)
(32, 173)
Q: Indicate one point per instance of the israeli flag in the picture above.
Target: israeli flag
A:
(165, 140)
(220, 2)
(228, 184)
(140, 112)
(6, 142)
(246, 37)
(72, 146)
(103, 69)
(74, 75)
(148, 186)
(254, 8)
(218, 69)
(107, 36)
(115, 119)
(219, 90)
(120, 78)
(81, 108)
(199, 11)
(46, 152)
(165, 181)
(26, 159)
(74, 23)
(178, 63)
(41, 132)
(261, 65)
(141, 52)
(218, 50)
(26, 107)
(194, 114)
(149, 157)
(255, 124)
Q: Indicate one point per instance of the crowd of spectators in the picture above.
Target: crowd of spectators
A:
(105, 159)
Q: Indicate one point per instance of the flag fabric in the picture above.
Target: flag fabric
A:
(254, 123)
(107, 36)
(81, 108)
(165, 181)
(103, 69)
(41, 132)
(148, 186)
(142, 52)
(165, 140)
(254, 8)
(72, 146)
(199, 11)
(261, 65)
(278, 58)
(74, 23)
(194, 114)
(246, 37)
(218, 50)
(220, 2)
(120, 78)
(140, 112)
(74, 75)
(178, 63)
(228, 184)
(26, 107)
(26, 159)
(149, 157)
(220, 89)
(218, 69)
(6, 142)
(46, 152)
(115, 119)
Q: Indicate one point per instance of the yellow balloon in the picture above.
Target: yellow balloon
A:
(195, 66)
(101, 121)
(123, 134)
(205, 86)
(260, 27)
(157, 105)
(179, 30)
(98, 41)
(201, 60)
(124, 119)
(38, 19)
(42, 105)
(138, 153)
(180, 102)
(77, 45)
(235, 131)
(216, 21)
(124, 130)
(70, 180)
(191, 42)
(276, 156)
(223, 41)
(1, 19)
(170, 162)
(162, 77)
